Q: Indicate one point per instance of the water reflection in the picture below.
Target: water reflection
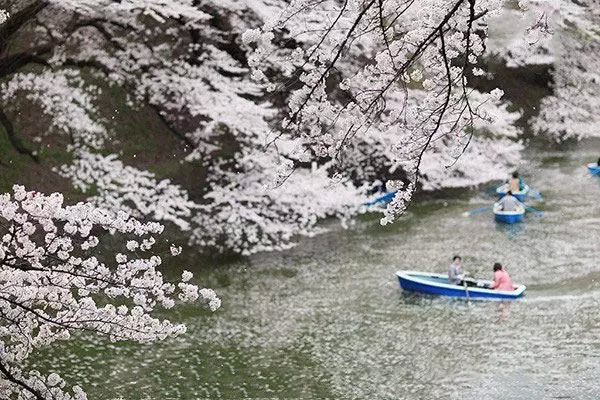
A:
(502, 311)
(512, 231)
(327, 318)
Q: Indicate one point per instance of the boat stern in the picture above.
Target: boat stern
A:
(509, 217)
(520, 195)
(594, 169)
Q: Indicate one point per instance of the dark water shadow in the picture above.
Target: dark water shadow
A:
(512, 231)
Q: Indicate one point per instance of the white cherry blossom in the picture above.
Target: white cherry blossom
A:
(53, 285)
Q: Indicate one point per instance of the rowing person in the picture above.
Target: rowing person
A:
(515, 183)
(455, 271)
(502, 280)
(509, 202)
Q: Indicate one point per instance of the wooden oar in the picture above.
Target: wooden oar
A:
(476, 211)
(466, 287)
(533, 210)
(536, 194)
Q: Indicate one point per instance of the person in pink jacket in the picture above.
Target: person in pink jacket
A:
(502, 280)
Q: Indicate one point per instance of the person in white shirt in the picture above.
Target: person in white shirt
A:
(455, 271)
(509, 202)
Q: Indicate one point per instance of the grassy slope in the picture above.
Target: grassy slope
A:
(139, 136)
(16, 168)
(143, 140)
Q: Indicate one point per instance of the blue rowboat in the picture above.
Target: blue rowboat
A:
(594, 169)
(508, 217)
(521, 195)
(437, 284)
(384, 199)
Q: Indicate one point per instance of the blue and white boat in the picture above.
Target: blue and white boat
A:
(509, 217)
(437, 284)
(383, 199)
(521, 195)
(594, 169)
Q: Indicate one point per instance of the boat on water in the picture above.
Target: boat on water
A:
(437, 284)
(594, 169)
(383, 199)
(521, 195)
(509, 217)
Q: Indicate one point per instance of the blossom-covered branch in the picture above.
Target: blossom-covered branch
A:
(54, 283)
(335, 97)
(378, 68)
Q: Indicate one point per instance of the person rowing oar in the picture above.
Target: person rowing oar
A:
(515, 183)
(455, 273)
(509, 202)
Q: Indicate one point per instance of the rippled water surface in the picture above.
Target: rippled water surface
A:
(327, 318)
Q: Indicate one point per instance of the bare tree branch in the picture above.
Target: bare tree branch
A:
(14, 138)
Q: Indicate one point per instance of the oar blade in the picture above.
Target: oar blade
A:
(476, 211)
(534, 211)
(537, 195)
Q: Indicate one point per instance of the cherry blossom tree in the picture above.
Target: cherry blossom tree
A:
(69, 37)
(562, 35)
(190, 68)
(295, 111)
(54, 284)
(571, 111)
(388, 79)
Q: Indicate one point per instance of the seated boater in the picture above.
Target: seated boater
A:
(502, 280)
(455, 271)
(515, 183)
(509, 202)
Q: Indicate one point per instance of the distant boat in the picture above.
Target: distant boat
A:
(521, 195)
(509, 217)
(594, 169)
(383, 199)
(437, 284)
